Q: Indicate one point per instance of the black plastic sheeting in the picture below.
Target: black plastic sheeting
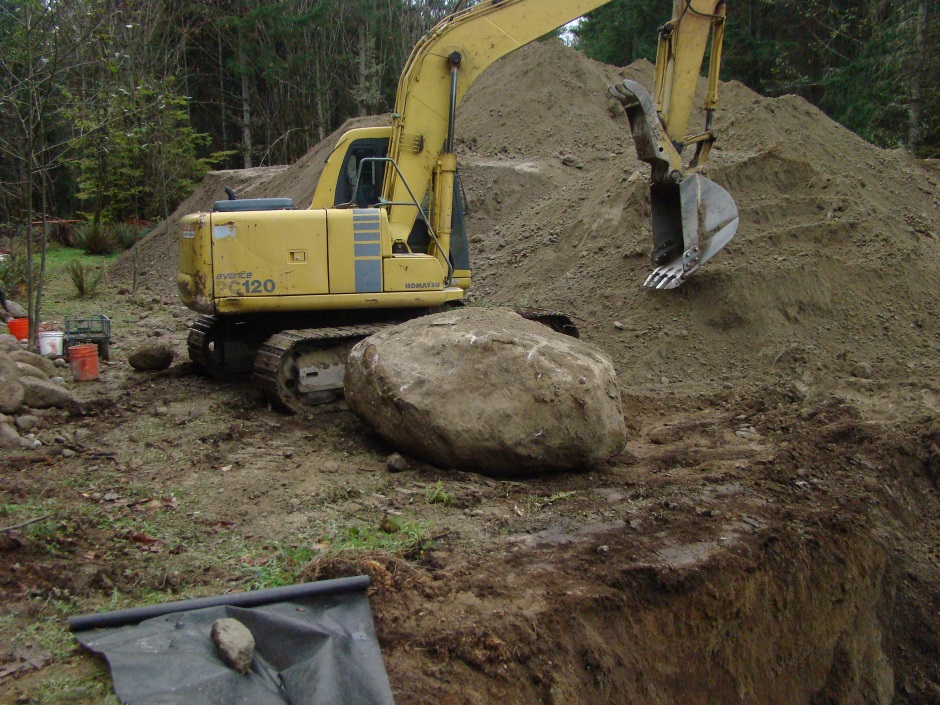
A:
(313, 649)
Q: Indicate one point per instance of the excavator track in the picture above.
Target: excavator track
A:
(304, 367)
(220, 348)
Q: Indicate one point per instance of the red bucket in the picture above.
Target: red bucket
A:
(19, 328)
(84, 360)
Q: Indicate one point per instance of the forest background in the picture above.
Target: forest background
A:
(112, 110)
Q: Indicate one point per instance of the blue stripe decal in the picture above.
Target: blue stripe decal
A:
(368, 276)
(369, 250)
(366, 237)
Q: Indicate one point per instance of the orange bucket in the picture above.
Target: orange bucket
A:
(19, 328)
(84, 359)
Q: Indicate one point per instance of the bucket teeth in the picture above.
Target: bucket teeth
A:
(669, 276)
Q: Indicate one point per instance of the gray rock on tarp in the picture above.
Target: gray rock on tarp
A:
(42, 394)
(235, 643)
(484, 390)
(38, 361)
(153, 356)
(9, 438)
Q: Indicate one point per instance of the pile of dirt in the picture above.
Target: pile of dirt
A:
(834, 264)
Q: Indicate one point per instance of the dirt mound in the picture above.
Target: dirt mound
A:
(834, 263)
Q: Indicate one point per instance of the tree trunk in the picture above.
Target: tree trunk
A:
(246, 111)
(913, 133)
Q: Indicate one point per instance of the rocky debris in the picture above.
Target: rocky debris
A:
(9, 438)
(8, 343)
(42, 394)
(485, 390)
(235, 643)
(151, 357)
(38, 361)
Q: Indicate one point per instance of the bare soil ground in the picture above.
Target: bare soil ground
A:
(769, 535)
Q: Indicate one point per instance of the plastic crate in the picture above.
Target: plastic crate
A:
(89, 329)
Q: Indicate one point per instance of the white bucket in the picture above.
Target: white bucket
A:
(51, 342)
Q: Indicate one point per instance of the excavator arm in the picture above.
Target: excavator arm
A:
(440, 70)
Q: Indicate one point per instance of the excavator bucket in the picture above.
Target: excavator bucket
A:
(693, 217)
(692, 221)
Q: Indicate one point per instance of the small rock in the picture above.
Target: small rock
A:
(68, 453)
(27, 422)
(58, 380)
(60, 362)
(153, 356)
(747, 433)
(111, 497)
(235, 643)
(619, 326)
(397, 462)
(288, 453)
(862, 370)
(569, 160)
(9, 438)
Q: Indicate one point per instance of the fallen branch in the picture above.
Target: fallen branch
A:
(25, 523)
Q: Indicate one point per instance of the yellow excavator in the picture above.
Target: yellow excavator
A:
(287, 292)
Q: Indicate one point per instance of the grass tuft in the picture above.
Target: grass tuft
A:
(85, 278)
(93, 240)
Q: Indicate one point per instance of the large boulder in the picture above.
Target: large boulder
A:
(485, 390)
(42, 394)
(152, 356)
